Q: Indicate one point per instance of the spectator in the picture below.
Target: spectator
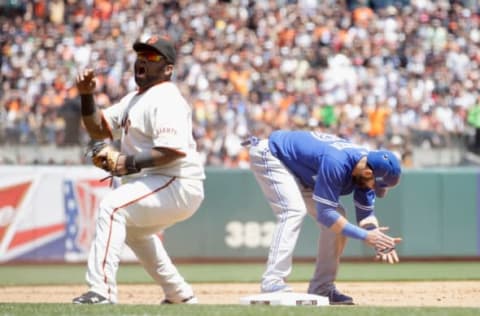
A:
(251, 69)
(474, 121)
(70, 114)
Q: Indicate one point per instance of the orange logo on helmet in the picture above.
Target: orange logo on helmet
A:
(152, 40)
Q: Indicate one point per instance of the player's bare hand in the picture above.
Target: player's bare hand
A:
(396, 240)
(378, 240)
(86, 82)
(389, 256)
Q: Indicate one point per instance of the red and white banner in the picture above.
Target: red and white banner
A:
(48, 213)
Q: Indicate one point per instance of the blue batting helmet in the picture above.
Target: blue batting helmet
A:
(386, 169)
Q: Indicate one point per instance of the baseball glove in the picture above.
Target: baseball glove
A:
(104, 156)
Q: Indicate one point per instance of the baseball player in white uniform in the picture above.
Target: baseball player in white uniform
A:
(161, 174)
(304, 172)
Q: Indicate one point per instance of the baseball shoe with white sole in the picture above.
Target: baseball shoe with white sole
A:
(91, 298)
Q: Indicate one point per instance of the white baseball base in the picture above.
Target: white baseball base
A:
(285, 299)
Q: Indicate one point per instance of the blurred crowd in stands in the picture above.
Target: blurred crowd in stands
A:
(393, 74)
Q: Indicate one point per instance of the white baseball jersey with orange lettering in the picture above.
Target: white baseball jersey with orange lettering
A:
(159, 117)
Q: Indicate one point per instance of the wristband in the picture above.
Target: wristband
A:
(88, 104)
(131, 165)
(353, 231)
(144, 160)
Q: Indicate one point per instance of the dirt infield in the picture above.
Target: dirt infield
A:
(437, 294)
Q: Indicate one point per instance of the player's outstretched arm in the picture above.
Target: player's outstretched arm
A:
(340, 225)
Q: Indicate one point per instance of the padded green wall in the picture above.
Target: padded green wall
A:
(435, 212)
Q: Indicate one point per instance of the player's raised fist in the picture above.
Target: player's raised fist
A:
(86, 82)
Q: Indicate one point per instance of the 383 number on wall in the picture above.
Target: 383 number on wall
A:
(249, 234)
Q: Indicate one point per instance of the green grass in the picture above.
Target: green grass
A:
(223, 310)
(198, 273)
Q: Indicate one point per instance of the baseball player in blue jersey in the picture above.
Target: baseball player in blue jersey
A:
(304, 172)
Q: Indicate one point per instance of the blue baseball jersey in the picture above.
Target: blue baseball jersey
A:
(324, 163)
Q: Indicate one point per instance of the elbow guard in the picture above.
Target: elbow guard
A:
(327, 216)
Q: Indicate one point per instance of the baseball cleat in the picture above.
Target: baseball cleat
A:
(188, 300)
(91, 298)
(276, 288)
(337, 298)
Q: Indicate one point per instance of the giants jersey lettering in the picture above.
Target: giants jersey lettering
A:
(159, 117)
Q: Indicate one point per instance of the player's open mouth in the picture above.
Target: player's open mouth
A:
(140, 71)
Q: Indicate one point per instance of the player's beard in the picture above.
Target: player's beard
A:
(147, 81)
(148, 75)
(361, 181)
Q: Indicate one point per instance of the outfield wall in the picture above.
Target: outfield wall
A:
(435, 211)
(48, 214)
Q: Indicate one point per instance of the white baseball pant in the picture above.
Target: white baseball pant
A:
(290, 202)
(133, 214)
